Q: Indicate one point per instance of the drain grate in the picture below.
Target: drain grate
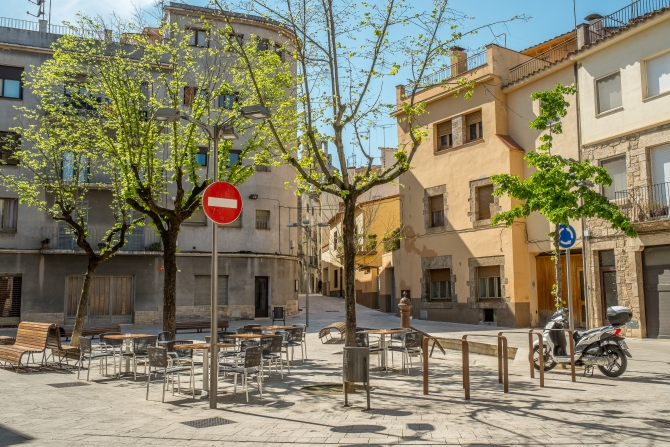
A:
(658, 424)
(332, 311)
(209, 422)
(67, 384)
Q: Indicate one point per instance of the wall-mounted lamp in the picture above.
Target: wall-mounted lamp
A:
(253, 196)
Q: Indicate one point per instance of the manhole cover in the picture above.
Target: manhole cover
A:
(330, 389)
(67, 384)
(658, 424)
(209, 422)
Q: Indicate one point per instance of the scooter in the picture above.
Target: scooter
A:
(602, 346)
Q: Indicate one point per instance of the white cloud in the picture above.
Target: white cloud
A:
(68, 9)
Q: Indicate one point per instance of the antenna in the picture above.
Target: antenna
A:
(385, 126)
(40, 9)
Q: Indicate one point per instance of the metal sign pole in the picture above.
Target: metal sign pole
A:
(571, 319)
(214, 339)
(306, 227)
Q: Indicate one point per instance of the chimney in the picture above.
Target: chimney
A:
(108, 35)
(459, 60)
(387, 159)
(595, 27)
(44, 26)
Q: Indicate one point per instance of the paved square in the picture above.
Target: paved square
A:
(40, 409)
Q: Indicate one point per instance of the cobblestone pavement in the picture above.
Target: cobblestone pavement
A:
(632, 410)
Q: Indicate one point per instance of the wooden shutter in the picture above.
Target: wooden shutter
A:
(74, 285)
(10, 296)
(440, 275)
(203, 290)
(444, 128)
(474, 117)
(484, 200)
(98, 299)
(122, 295)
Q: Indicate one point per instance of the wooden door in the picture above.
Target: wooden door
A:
(261, 298)
(546, 278)
(110, 299)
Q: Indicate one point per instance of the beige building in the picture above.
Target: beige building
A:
(452, 263)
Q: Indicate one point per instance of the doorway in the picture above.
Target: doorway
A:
(261, 296)
(110, 299)
(657, 290)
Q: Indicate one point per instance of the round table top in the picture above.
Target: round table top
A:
(270, 328)
(386, 331)
(204, 345)
(246, 336)
(125, 336)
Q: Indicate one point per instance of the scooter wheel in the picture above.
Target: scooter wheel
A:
(620, 364)
(548, 363)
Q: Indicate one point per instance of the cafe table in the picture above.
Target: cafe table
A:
(382, 342)
(246, 336)
(126, 339)
(204, 347)
(273, 328)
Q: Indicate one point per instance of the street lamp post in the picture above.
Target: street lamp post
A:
(215, 132)
(306, 226)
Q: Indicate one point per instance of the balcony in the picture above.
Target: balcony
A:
(645, 204)
(545, 59)
(61, 237)
(457, 69)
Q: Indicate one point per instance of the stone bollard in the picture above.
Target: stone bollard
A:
(405, 306)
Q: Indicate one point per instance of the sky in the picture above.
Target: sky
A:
(546, 19)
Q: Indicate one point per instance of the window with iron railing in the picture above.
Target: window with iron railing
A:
(262, 219)
(616, 168)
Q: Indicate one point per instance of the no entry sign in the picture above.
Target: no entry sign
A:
(222, 202)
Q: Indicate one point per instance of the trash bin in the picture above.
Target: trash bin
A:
(356, 368)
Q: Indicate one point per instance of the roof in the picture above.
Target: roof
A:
(510, 143)
(237, 15)
(547, 44)
(631, 24)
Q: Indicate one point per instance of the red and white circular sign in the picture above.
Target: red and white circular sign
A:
(222, 202)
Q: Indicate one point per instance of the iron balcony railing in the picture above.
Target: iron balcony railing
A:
(645, 203)
(551, 56)
(607, 25)
(61, 237)
(33, 26)
(457, 69)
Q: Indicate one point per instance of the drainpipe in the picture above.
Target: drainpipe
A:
(585, 287)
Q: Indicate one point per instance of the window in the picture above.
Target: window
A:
(227, 101)
(203, 290)
(608, 287)
(485, 202)
(335, 279)
(658, 75)
(616, 168)
(8, 208)
(75, 166)
(201, 156)
(10, 82)
(445, 137)
(335, 237)
(198, 38)
(238, 37)
(488, 285)
(436, 211)
(268, 45)
(198, 217)
(262, 219)
(473, 122)
(608, 92)
(263, 168)
(440, 284)
(233, 158)
(190, 94)
(9, 143)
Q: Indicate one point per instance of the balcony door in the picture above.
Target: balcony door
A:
(261, 296)
(660, 175)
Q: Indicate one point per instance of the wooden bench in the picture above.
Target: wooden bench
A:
(31, 339)
(200, 324)
(60, 351)
(5, 340)
(326, 333)
(92, 330)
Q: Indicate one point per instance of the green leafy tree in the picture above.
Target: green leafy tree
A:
(344, 53)
(60, 161)
(560, 189)
(134, 72)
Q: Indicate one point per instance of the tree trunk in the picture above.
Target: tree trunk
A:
(349, 246)
(559, 268)
(83, 302)
(169, 239)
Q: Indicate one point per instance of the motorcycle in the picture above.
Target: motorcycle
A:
(603, 346)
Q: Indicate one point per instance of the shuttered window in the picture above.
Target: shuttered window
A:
(658, 75)
(608, 92)
(436, 211)
(444, 135)
(203, 290)
(488, 284)
(440, 284)
(484, 202)
(473, 124)
(10, 296)
(198, 217)
(660, 164)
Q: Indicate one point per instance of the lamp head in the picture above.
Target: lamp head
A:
(255, 112)
(305, 221)
(292, 224)
(167, 115)
(323, 224)
(228, 133)
(253, 196)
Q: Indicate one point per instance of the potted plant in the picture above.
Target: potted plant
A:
(658, 210)
(45, 243)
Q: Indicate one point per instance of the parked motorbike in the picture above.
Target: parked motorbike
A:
(603, 346)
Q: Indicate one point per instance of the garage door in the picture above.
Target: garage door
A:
(110, 299)
(657, 290)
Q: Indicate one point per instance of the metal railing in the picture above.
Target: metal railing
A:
(645, 203)
(29, 25)
(542, 60)
(457, 69)
(601, 28)
(61, 237)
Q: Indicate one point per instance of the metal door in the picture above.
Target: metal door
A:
(261, 297)
(657, 291)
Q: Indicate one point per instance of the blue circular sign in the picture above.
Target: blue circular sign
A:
(567, 236)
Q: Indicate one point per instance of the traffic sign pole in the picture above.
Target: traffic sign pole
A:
(214, 337)
(567, 238)
(571, 319)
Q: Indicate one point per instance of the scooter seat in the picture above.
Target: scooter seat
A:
(578, 335)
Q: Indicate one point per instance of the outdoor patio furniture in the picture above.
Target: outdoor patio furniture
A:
(266, 344)
(86, 352)
(411, 346)
(163, 337)
(304, 336)
(253, 363)
(325, 334)
(286, 338)
(6, 340)
(296, 340)
(60, 351)
(89, 330)
(273, 353)
(363, 341)
(278, 314)
(140, 352)
(31, 339)
(199, 324)
(180, 356)
(244, 330)
(160, 362)
(114, 345)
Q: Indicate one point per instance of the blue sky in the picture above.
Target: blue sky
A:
(547, 19)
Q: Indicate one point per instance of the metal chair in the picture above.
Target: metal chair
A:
(86, 353)
(244, 330)
(410, 346)
(304, 335)
(266, 344)
(274, 352)
(164, 337)
(114, 345)
(278, 315)
(362, 340)
(159, 360)
(140, 352)
(296, 340)
(253, 363)
(180, 356)
(286, 339)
